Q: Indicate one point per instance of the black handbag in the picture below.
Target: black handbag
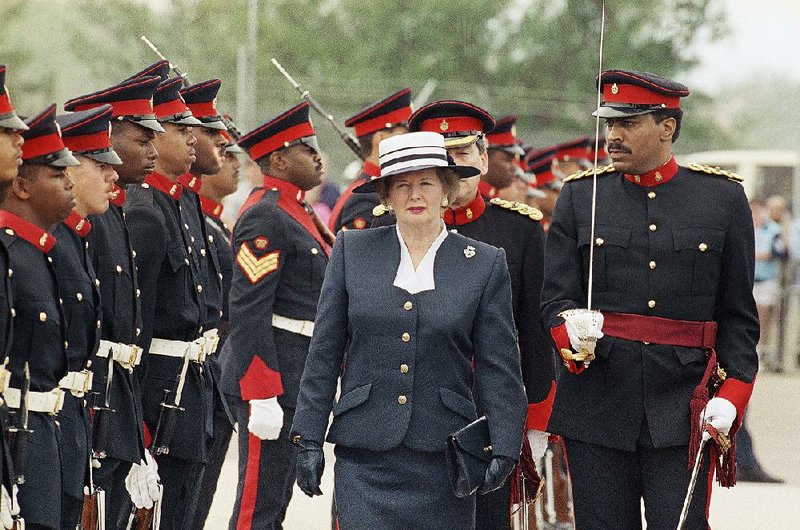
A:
(468, 454)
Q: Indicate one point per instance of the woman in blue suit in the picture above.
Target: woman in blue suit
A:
(412, 318)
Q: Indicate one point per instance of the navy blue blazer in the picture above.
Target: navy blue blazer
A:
(412, 360)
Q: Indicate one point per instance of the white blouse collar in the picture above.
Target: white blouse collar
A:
(421, 279)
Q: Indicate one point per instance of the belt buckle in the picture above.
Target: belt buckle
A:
(134, 355)
(213, 342)
(59, 404)
(201, 351)
(5, 377)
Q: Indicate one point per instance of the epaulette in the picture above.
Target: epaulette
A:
(589, 173)
(522, 209)
(379, 210)
(716, 171)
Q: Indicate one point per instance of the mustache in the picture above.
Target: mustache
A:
(614, 146)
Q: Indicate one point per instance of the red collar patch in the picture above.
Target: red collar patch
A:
(487, 190)
(659, 175)
(190, 181)
(164, 185)
(79, 225)
(15, 225)
(466, 214)
(211, 207)
(118, 196)
(286, 188)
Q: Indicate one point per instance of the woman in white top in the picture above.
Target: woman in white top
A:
(412, 318)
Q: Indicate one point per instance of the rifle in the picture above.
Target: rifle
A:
(8, 477)
(19, 435)
(93, 511)
(102, 415)
(346, 137)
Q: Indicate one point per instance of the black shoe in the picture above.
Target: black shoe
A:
(757, 475)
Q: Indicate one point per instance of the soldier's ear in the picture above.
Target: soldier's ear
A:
(277, 160)
(21, 188)
(668, 127)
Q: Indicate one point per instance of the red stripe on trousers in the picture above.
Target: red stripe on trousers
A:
(248, 504)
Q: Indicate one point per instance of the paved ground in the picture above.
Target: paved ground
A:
(774, 422)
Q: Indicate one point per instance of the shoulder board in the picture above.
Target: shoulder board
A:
(522, 209)
(379, 210)
(716, 171)
(589, 173)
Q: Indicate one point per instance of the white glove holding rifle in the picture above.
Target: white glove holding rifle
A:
(9, 507)
(143, 483)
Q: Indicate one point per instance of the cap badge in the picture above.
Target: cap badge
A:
(514, 130)
(444, 125)
(614, 88)
(173, 189)
(469, 213)
(261, 242)
(80, 224)
(214, 104)
(43, 240)
(469, 251)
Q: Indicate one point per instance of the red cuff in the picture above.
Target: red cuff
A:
(737, 392)
(148, 440)
(260, 381)
(561, 338)
(539, 413)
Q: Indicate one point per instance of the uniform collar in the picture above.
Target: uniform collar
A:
(371, 169)
(466, 214)
(118, 196)
(659, 175)
(164, 185)
(80, 225)
(286, 188)
(211, 207)
(487, 190)
(15, 225)
(190, 181)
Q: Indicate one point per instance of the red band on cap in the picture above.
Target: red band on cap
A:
(42, 145)
(205, 109)
(170, 108)
(579, 153)
(279, 140)
(637, 95)
(451, 124)
(376, 124)
(5, 104)
(543, 178)
(506, 138)
(88, 142)
(132, 107)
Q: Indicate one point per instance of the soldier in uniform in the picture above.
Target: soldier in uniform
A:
(86, 133)
(380, 120)
(118, 438)
(673, 276)
(36, 200)
(503, 150)
(280, 263)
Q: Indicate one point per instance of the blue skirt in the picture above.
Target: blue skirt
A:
(398, 489)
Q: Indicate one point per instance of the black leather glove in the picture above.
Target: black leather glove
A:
(496, 474)
(310, 464)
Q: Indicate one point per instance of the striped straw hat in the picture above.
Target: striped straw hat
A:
(415, 151)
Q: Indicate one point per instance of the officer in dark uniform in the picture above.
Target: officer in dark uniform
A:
(380, 120)
(10, 159)
(86, 133)
(118, 438)
(280, 263)
(215, 188)
(673, 276)
(503, 150)
(37, 199)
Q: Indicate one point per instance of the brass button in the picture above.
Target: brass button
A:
(10, 273)
(403, 368)
(210, 239)
(651, 304)
(599, 241)
(186, 261)
(60, 301)
(651, 195)
(703, 247)
(13, 312)
(9, 232)
(408, 306)
(220, 276)
(49, 259)
(189, 250)
(186, 226)
(138, 332)
(98, 324)
(79, 296)
(199, 288)
(119, 269)
(43, 316)
(97, 282)
(653, 228)
(203, 252)
(66, 345)
(402, 400)
(406, 337)
(191, 238)
(133, 254)
(652, 264)
(314, 250)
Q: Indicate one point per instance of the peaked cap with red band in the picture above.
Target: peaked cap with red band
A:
(8, 117)
(577, 149)
(201, 98)
(387, 113)
(504, 136)
(88, 133)
(131, 100)
(539, 162)
(460, 123)
(43, 144)
(291, 127)
(160, 69)
(631, 93)
(169, 105)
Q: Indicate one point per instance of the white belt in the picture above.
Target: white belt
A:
(301, 327)
(48, 402)
(197, 350)
(127, 355)
(78, 383)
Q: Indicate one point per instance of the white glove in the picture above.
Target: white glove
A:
(8, 509)
(592, 323)
(538, 441)
(143, 484)
(721, 414)
(266, 418)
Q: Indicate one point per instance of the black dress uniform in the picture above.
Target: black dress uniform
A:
(280, 263)
(673, 272)
(354, 211)
(114, 263)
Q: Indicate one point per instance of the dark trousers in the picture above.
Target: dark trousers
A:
(70, 511)
(111, 478)
(609, 484)
(492, 510)
(216, 457)
(181, 481)
(745, 456)
(266, 475)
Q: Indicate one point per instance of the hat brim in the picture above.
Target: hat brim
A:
(213, 124)
(512, 149)
(186, 120)
(462, 172)
(64, 159)
(234, 149)
(620, 112)
(460, 141)
(13, 122)
(149, 123)
(105, 157)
